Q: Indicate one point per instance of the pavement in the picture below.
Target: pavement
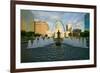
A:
(52, 52)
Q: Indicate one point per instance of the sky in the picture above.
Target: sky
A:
(51, 17)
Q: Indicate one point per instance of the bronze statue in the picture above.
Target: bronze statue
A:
(58, 34)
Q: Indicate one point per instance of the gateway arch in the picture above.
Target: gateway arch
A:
(59, 26)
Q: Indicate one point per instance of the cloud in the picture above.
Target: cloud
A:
(65, 17)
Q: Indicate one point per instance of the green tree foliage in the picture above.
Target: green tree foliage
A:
(85, 33)
(37, 35)
(23, 33)
(26, 34)
(29, 34)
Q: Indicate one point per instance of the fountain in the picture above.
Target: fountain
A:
(75, 42)
(29, 44)
(35, 43)
(40, 42)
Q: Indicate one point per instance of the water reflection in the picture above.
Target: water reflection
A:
(46, 49)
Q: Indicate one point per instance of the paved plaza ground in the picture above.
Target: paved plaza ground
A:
(52, 52)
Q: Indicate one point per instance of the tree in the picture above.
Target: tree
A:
(85, 33)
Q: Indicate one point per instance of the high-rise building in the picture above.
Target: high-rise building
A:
(87, 21)
(27, 19)
(69, 29)
(23, 25)
(41, 27)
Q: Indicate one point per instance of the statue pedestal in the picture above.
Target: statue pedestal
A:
(58, 42)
